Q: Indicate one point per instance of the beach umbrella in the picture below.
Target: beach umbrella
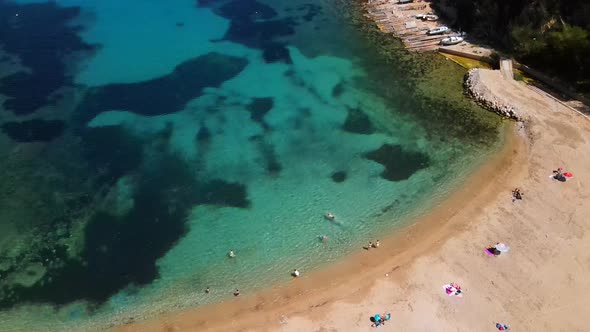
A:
(502, 247)
(377, 317)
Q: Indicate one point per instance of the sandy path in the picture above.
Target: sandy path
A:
(540, 285)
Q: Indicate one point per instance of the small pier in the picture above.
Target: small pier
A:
(400, 19)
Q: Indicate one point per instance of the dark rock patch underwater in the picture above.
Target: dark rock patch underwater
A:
(121, 249)
(166, 94)
(258, 109)
(399, 164)
(255, 25)
(41, 37)
(358, 122)
(33, 130)
(339, 176)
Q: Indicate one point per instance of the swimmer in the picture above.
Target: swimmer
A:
(237, 292)
(295, 273)
(207, 290)
(324, 238)
(330, 216)
(231, 254)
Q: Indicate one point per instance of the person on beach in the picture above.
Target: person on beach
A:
(384, 318)
(558, 174)
(231, 254)
(237, 292)
(376, 244)
(492, 250)
(453, 289)
(370, 245)
(502, 327)
(517, 194)
(295, 273)
(376, 320)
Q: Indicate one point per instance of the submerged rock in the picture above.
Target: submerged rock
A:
(43, 38)
(339, 176)
(34, 130)
(258, 109)
(358, 122)
(165, 94)
(399, 164)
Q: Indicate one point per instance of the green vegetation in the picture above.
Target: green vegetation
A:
(550, 35)
(466, 62)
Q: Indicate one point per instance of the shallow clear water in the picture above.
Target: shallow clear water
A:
(192, 130)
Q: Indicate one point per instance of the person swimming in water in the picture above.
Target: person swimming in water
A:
(324, 238)
(295, 273)
(231, 254)
(330, 216)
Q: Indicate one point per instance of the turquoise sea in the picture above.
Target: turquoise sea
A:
(142, 140)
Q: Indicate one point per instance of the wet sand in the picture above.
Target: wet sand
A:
(540, 284)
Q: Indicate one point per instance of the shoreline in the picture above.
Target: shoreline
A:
(538, 285)
(264, 310)
(404, 276)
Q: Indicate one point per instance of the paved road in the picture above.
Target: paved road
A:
(506, 69)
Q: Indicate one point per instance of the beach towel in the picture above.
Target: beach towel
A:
(502, 247)
(451, 290)
(502, 327)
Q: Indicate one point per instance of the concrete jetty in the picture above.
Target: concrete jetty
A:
(400, 19)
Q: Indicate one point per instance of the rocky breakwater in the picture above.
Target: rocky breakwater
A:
(484, 96)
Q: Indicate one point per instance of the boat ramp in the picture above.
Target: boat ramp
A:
(400, 19)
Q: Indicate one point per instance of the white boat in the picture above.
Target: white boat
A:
(438, 30)
(452, 40)
(427, 16)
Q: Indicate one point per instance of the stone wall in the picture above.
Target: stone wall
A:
(482, 95)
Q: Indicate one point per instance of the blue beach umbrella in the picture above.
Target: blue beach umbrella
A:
(377, 317)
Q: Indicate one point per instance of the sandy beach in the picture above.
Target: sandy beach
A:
(540, 284)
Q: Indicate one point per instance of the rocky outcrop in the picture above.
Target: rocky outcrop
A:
(483, 96)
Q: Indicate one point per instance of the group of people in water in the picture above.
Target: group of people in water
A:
(295, 273)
